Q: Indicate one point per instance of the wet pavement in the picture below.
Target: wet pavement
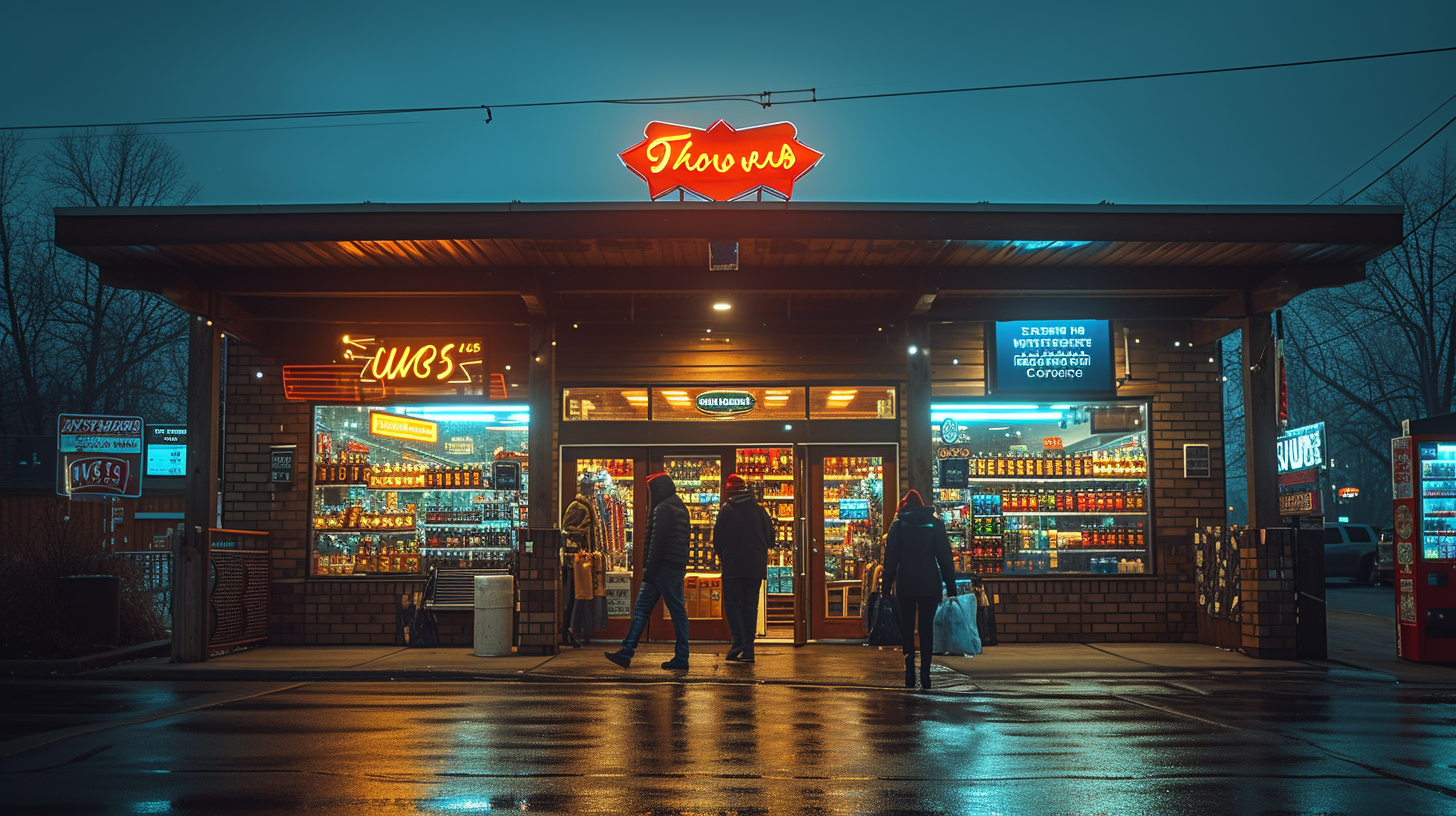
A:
(1085, 743)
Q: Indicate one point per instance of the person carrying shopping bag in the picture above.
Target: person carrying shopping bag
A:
(917, 565)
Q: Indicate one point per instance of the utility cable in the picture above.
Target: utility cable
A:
(1383, 149)
(1403, 158)
(763, 99)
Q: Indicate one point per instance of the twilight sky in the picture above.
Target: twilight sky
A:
(1269, 137)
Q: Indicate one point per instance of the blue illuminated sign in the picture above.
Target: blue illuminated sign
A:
(1054, 357)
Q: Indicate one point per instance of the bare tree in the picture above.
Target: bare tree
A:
(24, 272)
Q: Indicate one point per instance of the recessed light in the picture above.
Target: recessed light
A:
(722, 306)
(914, 349)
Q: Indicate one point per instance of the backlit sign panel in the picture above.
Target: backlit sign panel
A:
(403, 427)
(1302, 448)
(1054, 357)
(100, 455)
(725, 403)
(166, 450)
(721, 163)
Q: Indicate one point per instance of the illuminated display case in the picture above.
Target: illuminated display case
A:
(613, 496)
(398, 488)
(853, 495)
(1044, 489)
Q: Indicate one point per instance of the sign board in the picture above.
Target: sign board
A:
(1197, 462)
(950, 432)
(1051, 443)
(1302, 448)
(418, 361)
(280, 463)
(1348, 493)
(1053, 357)
(720, 163)
(397, 426)
(100, 455)
(725, 403)
(166, 450)
(955, 474)
(1299, 504)
(854, 509)
(1401, 469)
(505, 474)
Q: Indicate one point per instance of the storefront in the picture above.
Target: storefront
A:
(839, 355)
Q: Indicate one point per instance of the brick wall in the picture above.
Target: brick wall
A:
(356, 611)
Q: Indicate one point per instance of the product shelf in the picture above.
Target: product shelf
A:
(1077, 513)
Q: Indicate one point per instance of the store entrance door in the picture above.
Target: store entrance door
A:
(851, 495)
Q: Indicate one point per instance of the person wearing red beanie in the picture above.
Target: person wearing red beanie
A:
(742, 535)
(917, 563)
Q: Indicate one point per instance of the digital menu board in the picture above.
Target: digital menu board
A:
(166, 451)
(1053, 357)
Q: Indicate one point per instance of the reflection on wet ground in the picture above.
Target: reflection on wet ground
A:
(1209, 745)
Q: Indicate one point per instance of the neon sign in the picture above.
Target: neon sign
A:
(403, 427)
(720, 163)
(428, 361)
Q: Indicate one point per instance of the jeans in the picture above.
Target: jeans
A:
(668, 587)
(740, 607)
(923, 607)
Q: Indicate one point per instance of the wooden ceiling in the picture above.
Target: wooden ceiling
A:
(281, 271)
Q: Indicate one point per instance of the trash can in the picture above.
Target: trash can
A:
(91, 609)
(495, 601)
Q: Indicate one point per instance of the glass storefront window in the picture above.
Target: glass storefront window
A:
(1029, 489)
(613, 496)
(604, 403)
(699, 403)
(852, 402)
(853, 497)
(398, 488)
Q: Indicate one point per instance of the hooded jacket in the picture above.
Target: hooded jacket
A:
(917, 554)
(668, 530)
(741, 537)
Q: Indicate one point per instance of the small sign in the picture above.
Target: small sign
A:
(952, 452)
(1348, 493)
(397, 426)
(1051, 443)
(505, 475)
(955, 474)
(950, 432)
(1401, 469)
(118, 513)
(1302, 448)
(100, 455)
(1197, 462)
(725, 403)
(854, 509)
(281, 463)
(1298, 504)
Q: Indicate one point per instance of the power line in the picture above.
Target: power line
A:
(1403, 158)
(1383, 149)
(763, 99)
(1427, 219)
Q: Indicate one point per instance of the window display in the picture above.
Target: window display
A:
(853, 498)
(613, 495)
(1035, 489)
(397, 489)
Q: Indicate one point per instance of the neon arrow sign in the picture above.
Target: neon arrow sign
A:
(720, 163)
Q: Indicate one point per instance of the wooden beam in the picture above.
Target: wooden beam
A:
(190, 559)
(1261, 421)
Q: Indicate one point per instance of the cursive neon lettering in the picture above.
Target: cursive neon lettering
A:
(423, 361)
(721, 167)
(448, 360)
(664, 143)
(391, 370)
(682, 157)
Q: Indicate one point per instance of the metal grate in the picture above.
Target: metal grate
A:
(238, 602)
(455, 588)
(150, 574)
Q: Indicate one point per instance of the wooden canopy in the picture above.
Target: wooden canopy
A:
(280, 275)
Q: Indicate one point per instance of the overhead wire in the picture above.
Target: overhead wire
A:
(764, 99)
(1382, 150)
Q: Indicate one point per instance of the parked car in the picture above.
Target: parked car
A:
(1350, 551)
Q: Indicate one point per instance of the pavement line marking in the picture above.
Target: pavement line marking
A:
(1125, 698)
(21, 745)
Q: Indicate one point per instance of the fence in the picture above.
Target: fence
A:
(149, 574)
(237, 597)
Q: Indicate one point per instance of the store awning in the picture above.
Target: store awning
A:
(281, 272)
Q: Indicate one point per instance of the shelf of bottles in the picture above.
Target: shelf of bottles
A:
(699, 482)
(613, 496)
(1050, 512)
(853, 497)
(771, 472)
(389, 517)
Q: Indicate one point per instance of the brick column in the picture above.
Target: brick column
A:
(538, 591)
(1267, 593)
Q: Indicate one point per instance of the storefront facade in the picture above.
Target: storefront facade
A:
(845, 354)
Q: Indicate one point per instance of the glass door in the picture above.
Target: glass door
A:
(698, 476)
(615, 473)
(769, 472)
(853, 490)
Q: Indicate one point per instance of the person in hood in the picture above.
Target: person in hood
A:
(917, 564)
(664, 566)
(741, 538)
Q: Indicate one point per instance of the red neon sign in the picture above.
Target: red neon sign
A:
(720, 163)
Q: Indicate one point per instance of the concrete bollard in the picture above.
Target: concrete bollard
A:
(495, 601)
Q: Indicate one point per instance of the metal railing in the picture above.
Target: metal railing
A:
(149, 574)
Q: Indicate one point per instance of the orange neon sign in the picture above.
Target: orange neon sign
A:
(420, 362)
(403, 427)
(720, 163)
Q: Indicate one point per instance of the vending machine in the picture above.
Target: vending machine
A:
(1423, 470)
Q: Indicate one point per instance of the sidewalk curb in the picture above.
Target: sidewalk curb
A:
(85, 663)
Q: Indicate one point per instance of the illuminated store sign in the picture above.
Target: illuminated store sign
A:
(166, 451)
(1302, 448)
(720, 163)
(419, 361)
(1054, 357)
(100, 455)
(725, 403)
(403, 427)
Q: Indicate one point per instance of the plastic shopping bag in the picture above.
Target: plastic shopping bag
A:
(955, 626)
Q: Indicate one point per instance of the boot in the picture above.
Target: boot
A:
(910, 671)
(925, 676)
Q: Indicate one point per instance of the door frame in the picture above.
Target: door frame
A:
(821, 627)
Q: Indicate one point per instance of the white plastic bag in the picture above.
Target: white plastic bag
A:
(954, 630)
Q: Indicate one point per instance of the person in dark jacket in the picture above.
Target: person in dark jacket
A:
(741, 538)
(917, 564)
(664, 566)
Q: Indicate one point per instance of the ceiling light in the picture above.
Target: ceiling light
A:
(955, 361)
(722, 306)
(914, 349)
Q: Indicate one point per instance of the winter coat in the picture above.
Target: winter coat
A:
(668, 530)
(741, 537)
(582, 525)
(917, 555)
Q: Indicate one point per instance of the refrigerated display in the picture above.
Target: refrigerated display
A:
(1047, 490)
(853, 495)
(1423, 469)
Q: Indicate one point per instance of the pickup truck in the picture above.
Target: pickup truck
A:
(1350, 551)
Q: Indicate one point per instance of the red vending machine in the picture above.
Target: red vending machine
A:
(1423, 469)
